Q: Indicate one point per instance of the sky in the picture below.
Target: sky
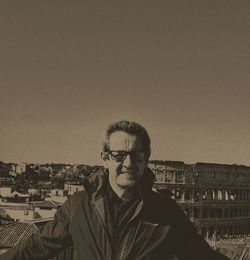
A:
(179, 68)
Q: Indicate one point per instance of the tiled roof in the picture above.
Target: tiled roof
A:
(13, 234)
(45, 204)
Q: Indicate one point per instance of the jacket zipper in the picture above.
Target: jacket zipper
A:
(104, 228)
(129, 222)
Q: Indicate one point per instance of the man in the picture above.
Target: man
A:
(118, 216)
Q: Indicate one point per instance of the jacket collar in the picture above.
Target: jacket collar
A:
(96, 183)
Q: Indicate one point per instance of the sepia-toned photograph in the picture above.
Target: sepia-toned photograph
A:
(125, 130)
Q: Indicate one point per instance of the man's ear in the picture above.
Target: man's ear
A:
(104, 156)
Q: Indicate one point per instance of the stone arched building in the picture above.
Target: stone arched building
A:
(215, 197)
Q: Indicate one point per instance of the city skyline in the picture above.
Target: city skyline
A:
(180, 69)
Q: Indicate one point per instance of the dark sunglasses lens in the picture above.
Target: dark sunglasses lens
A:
(118, 156)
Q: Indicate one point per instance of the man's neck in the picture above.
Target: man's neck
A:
(122, 193)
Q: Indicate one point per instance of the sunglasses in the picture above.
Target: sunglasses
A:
(120, 156)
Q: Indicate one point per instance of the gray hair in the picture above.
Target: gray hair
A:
(129, 127)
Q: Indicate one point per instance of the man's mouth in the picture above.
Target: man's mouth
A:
(129, 174)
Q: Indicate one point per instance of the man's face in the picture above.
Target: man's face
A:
(125, 174)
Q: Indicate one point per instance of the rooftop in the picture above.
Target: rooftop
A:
(46, 204)
(13, 234)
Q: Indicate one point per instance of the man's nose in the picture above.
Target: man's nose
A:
(128, 162)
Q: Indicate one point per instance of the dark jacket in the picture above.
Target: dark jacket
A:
(157, 229)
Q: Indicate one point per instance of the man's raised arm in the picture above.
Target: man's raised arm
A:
(47, 242)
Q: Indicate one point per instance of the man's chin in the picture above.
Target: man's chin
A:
(126, 181)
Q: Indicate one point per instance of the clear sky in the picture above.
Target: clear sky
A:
(180, 68)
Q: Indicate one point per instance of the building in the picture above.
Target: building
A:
(18, 211)
(44, 209)
(5, 191)
(20, 168)
(32, 191)
(5, 218)
(215, 197)
(30, 211)
(57, 195)
(4, 180)
(72, 188)
(57, 192)
(20, 196)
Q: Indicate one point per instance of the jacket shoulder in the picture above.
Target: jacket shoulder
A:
(77, 198)
(67, 210)
(160, 200)
(163, 209)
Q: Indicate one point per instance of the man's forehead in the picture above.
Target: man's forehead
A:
(123, 140)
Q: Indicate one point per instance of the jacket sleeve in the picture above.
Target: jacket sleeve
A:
(187, 244)
(50, 240)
